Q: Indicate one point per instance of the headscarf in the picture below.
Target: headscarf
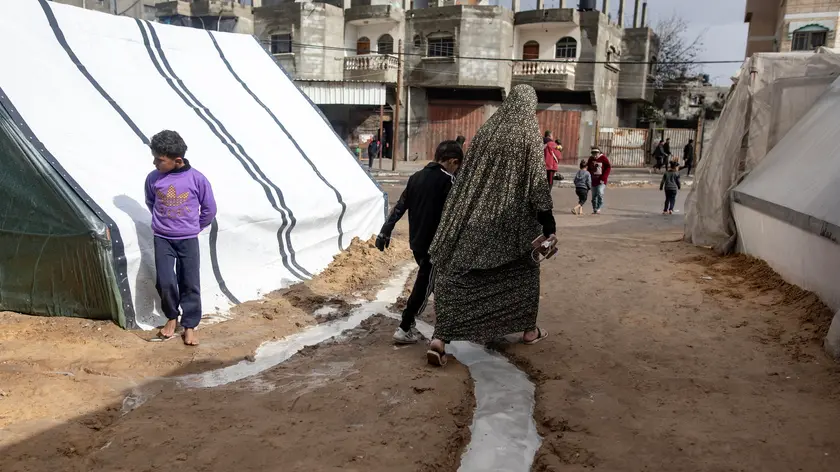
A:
(490, 215)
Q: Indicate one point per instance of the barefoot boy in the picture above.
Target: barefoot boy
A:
(181, 202)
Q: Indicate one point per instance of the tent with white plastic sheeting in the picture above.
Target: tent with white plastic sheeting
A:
(787, 210)
(81, 93)
(773, 92)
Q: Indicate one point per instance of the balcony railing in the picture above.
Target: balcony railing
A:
(543, 68)
(371, 62)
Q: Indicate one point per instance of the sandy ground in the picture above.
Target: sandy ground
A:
(665, 357)
(661, 357)
(53, 369)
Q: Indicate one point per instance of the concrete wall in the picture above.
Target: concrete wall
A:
(602, 79)
(638, 45)
(479, 31)
(431, 72)
(486, 32)
(318, 24)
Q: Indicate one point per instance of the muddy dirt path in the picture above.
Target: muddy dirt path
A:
(664, 357)
(661, 357)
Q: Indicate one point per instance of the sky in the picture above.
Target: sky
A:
(720, 22)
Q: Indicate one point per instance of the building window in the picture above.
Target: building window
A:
(418, 42)
(385, 44)
(566, 48)
(531, 51)
(442, 46)
(652, 67)
(281, 43)
(362, 46)
(809, 38)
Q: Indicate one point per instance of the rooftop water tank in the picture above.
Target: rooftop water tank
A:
(588, 5)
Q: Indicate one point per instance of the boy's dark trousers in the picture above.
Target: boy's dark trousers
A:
(423, 287)
(670, 199)
(178, 279)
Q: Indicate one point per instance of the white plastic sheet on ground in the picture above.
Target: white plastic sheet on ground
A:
(92, 86)
(772, 93)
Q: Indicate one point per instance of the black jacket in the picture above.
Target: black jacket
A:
(423, 198)
(688, 153)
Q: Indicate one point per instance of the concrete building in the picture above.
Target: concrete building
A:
(460, 58)
(791, 25)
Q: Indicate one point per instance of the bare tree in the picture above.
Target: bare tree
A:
(678, 52)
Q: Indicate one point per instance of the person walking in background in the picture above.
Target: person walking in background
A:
(182, 205)
(461, 140)
(688, 157)
(373, 151)
(671, 184)
(488, 279)
(659, 156)
(552, 157)
(423, 198)
(583, 183)
(599, 166)
(669, 156)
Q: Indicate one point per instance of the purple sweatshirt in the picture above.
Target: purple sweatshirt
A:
(181, 202)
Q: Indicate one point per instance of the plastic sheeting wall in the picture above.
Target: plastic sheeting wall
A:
(93, 88)
(772, 94)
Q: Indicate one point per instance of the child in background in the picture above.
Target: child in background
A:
(583, 183)
(181, 202)
(671, 184)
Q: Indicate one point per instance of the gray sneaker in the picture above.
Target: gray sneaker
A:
(411, 337)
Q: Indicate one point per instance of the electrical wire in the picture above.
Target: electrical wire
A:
(502, 59)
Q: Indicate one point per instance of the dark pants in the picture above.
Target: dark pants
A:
(670, 199)
(178, 279)
(687, 165)
(551, 178)
(582, 194)
(423, 287)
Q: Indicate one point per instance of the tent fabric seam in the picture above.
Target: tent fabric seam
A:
(795, 218)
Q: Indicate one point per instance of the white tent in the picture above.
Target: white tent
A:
(772, 93)
(787, 210)
(81, 93)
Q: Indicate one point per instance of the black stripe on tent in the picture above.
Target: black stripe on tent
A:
(61, 40)
(228, 140)
(288, 135)
(119, 251)
(327, 122)
(117, 248)
(198, 108)
(214, 262)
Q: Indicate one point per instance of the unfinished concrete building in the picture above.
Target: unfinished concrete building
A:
(791, 25)
(460, 58)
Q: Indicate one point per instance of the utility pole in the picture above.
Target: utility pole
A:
(396, 137)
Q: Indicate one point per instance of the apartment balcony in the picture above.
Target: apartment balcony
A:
(545, 75)
(551, 15)
(371, 68)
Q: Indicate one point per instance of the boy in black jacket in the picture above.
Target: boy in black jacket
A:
(423, 198)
